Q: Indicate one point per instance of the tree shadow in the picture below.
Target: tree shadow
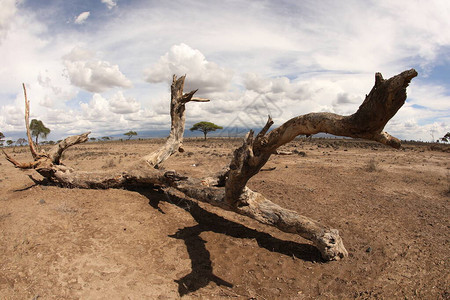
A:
(201, 266)
(36, 182)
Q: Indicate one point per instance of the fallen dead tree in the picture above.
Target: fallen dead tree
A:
(228, 189)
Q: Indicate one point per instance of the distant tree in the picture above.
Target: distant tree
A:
(92, 139)
(2, 138)
(205, 127)
(130, 134)
(9, 142)
(446, 137)
(21, 141)
(106, 138)
(38, 129)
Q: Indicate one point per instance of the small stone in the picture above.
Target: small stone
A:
(42, 201)
(368, 250)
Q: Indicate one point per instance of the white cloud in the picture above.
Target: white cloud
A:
(432, 96)
(182, 59)
(82, 17)
(285, 58)
(97, 110)
(278, 87)
(6, 14)
(110, 3)
(15, 116)
(91, 74)
(121, 105)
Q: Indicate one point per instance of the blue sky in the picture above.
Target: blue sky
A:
(105, 65)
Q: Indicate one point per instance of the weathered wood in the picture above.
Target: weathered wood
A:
(30, 165)
(177, 113)
(228, 189)
(384, 100)
(133, 176)
(56, 151)
(33, 150)
(257, 207)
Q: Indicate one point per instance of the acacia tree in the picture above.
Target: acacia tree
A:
(38, 129)
(205, 127)
(130, 134)
(446, 137)
(228, 188)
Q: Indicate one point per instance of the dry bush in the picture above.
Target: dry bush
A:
(372, 165)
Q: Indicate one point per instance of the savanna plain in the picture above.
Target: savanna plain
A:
(390, 206)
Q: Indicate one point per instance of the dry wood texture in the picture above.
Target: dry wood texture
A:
(229, 189)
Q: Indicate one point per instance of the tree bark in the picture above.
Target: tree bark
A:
(33, 150)
(177, 113)
(228, 189)
(368, 122)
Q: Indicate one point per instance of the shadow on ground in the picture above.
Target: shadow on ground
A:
(202, 271)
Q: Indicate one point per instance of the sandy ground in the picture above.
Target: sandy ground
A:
(391, 207)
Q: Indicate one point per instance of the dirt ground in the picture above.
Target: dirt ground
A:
(390, 206)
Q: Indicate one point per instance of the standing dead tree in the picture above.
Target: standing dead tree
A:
(228, 189)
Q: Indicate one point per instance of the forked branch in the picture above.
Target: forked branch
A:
(228, 189)
(178, 116)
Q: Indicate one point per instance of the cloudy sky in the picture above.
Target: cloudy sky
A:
(105, 65)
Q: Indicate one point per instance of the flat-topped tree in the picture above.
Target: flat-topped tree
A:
(130, 134)
(205, 127)
(228, 189)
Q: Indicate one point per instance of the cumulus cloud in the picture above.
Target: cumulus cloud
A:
(91, 74)
(346, 103)
(288, 58)
(281, 86)
(110, 111)
(121, 105)
(182, 59)
(411, 129)
(6, 14)
(109, 3)
(97, 110)
(15, 115)
(82, 17)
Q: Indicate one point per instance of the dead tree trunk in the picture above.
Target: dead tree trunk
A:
(177, 113)
(229, 189)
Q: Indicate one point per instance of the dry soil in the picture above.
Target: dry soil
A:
(390, 206)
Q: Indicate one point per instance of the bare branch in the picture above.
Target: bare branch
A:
(385, 99)
(196, 99)
(19, 165)
(188, 96)
(56, 151)
(177, 113)
(327, 240)
(228, 188)
(33, 150)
